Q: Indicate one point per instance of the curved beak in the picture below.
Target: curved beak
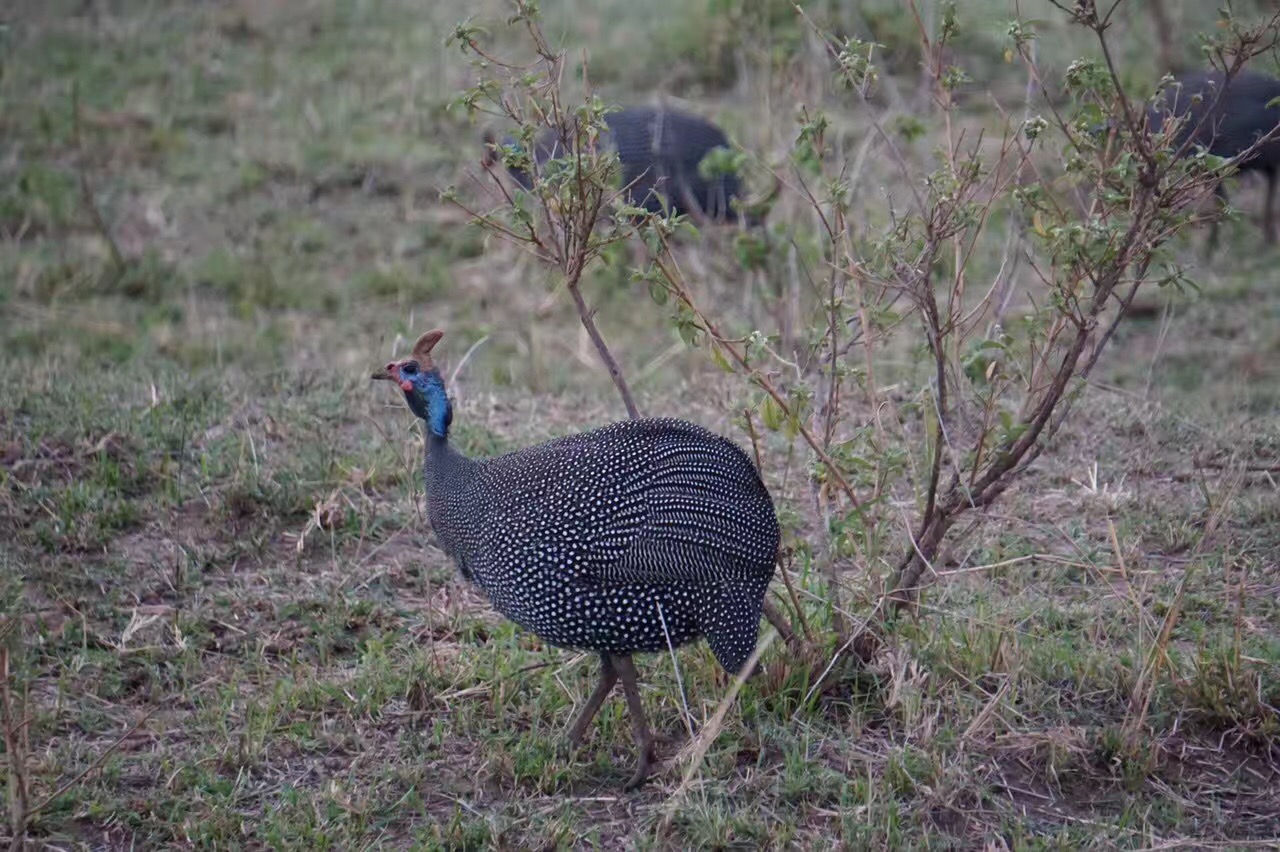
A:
(386, 375)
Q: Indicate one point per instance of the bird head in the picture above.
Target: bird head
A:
(422, 384)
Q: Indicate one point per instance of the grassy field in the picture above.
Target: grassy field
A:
(227, 625)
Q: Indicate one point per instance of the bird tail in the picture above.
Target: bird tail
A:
(731, 623)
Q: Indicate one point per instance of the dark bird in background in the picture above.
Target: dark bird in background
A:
(1229, 122)
(660, 150)
(635, 537)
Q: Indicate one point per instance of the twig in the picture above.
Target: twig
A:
(16, 752)
(100, 224)
(453, 377)
(785, 570)
(770, 611)
(611, 364)
(697, 748)
(675, 664)
(86, 192)
(675, 280)
(107, 752)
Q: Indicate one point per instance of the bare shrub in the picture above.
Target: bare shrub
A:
(948, 333)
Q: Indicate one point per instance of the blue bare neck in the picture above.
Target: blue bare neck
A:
(438, 412)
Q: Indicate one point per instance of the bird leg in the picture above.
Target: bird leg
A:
(608, 677)
(1268, 212)
(1220, 196)
(779, 622)
(639, 727)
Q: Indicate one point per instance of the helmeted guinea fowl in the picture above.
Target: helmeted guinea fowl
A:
(633, 537)
(660, 151)
(1242, 114)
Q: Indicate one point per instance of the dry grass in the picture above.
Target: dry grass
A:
(229, 626)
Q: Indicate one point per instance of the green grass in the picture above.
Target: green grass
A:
(209, 513)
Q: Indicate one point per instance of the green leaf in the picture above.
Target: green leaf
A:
(771, 413)
(657, 292)
(718, 357)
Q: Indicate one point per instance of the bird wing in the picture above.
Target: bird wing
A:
(662, 503)
(651, 560)
(696, 511)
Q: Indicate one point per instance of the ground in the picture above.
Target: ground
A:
(226, 621)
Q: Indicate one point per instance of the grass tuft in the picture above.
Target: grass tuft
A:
(226, 623)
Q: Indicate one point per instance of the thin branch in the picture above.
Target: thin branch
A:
(674, 279)
(611, 364)
(98, 761)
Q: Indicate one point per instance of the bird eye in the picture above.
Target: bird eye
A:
(409, 368)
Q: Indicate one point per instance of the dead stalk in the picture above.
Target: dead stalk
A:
(86, 191)
(14, 720)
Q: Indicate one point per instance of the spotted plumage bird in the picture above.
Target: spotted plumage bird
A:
(660, 151)
(635, 537)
